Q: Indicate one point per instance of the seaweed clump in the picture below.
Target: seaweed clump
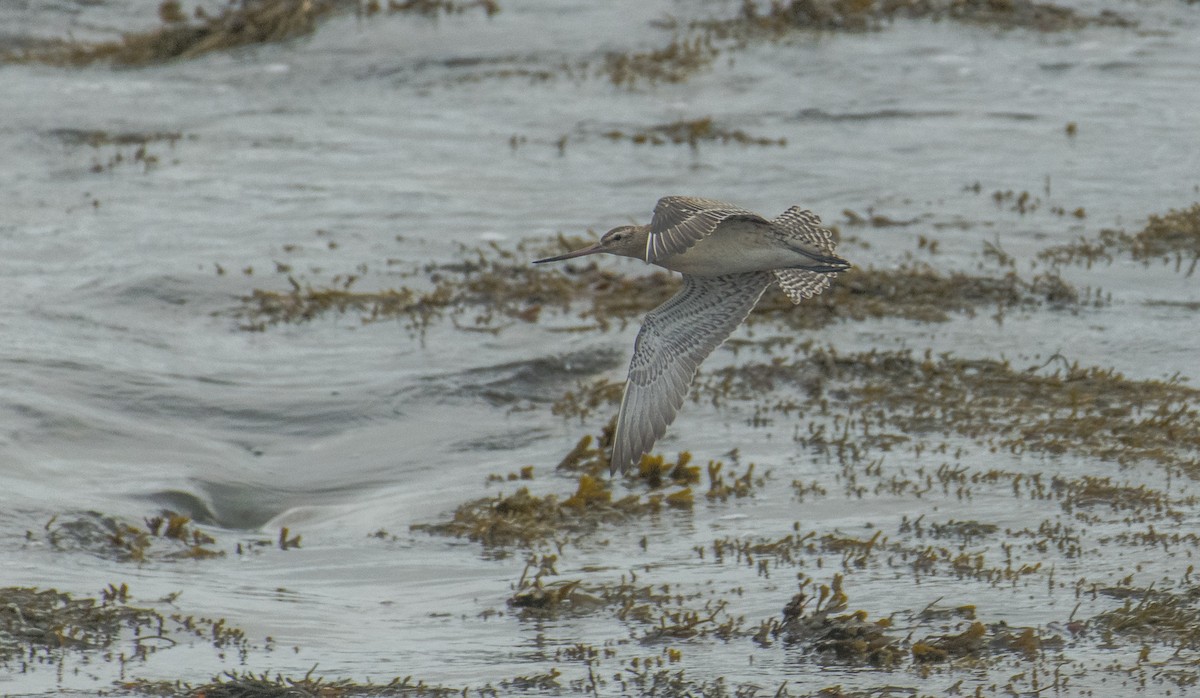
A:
(36, 623)
(692, 132)
(498, 287)
(699, 44)
(675, 62)
(526, 519)
(1152, 615)
(47, 619)
(111, 538)
(249, 685)
(242, 23)
(497, 284)
(977, 639)
(662, 614)
(867, 15)
(819, 622)
(898, 397)
(1174, 235)
(920, 292)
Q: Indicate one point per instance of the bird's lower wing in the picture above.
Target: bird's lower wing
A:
(799, 284)
(681, 221)
(675, 338)
(804, 226)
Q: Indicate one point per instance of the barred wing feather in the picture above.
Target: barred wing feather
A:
(675, 338)
(803, 226)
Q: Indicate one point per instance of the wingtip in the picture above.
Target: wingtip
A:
(620, 462)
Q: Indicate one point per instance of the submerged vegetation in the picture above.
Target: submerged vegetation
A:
(529, 520)
(36, 624)
(38, 620)
(1159, 616)
(180, 37)
(898, 397)
(694, 46)
(165, 536)
(697, 45)
(249, 685)
(863, 15)
(1173, 237)
(955, 418)
(241, 23)
(691, 132)
(675, 62)
(498, 286)
(112, 538)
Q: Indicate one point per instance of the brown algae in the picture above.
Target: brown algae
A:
(675, 62)
(493, 287)
(241, 23)
(114, 149)
(114, 539)
(1152, 615)
(1089, 411)
(1170, 237)
(35, 624)
(165, 536)
(495, 284)
(692, 132)
(249, 685)
(697, 45)
(658, 611)
(525, 519)
(863, 15)
(39, 620)
(818, 621)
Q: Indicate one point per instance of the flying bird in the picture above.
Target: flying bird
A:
(728, 256)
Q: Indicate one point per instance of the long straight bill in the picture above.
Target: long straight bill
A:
(590, 249)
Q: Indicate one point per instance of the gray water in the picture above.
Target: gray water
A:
(127, 385)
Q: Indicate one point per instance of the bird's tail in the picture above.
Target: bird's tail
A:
(799, 284)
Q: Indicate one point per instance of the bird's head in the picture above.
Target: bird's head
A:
(624, 240)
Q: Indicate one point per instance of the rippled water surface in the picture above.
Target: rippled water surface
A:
(380, 146)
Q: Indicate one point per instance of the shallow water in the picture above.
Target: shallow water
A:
(126, 385)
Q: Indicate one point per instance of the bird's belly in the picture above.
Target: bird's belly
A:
(728, 254)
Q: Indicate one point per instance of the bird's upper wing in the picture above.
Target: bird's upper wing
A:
(804, 226)
(681, 221)
(674, 339)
